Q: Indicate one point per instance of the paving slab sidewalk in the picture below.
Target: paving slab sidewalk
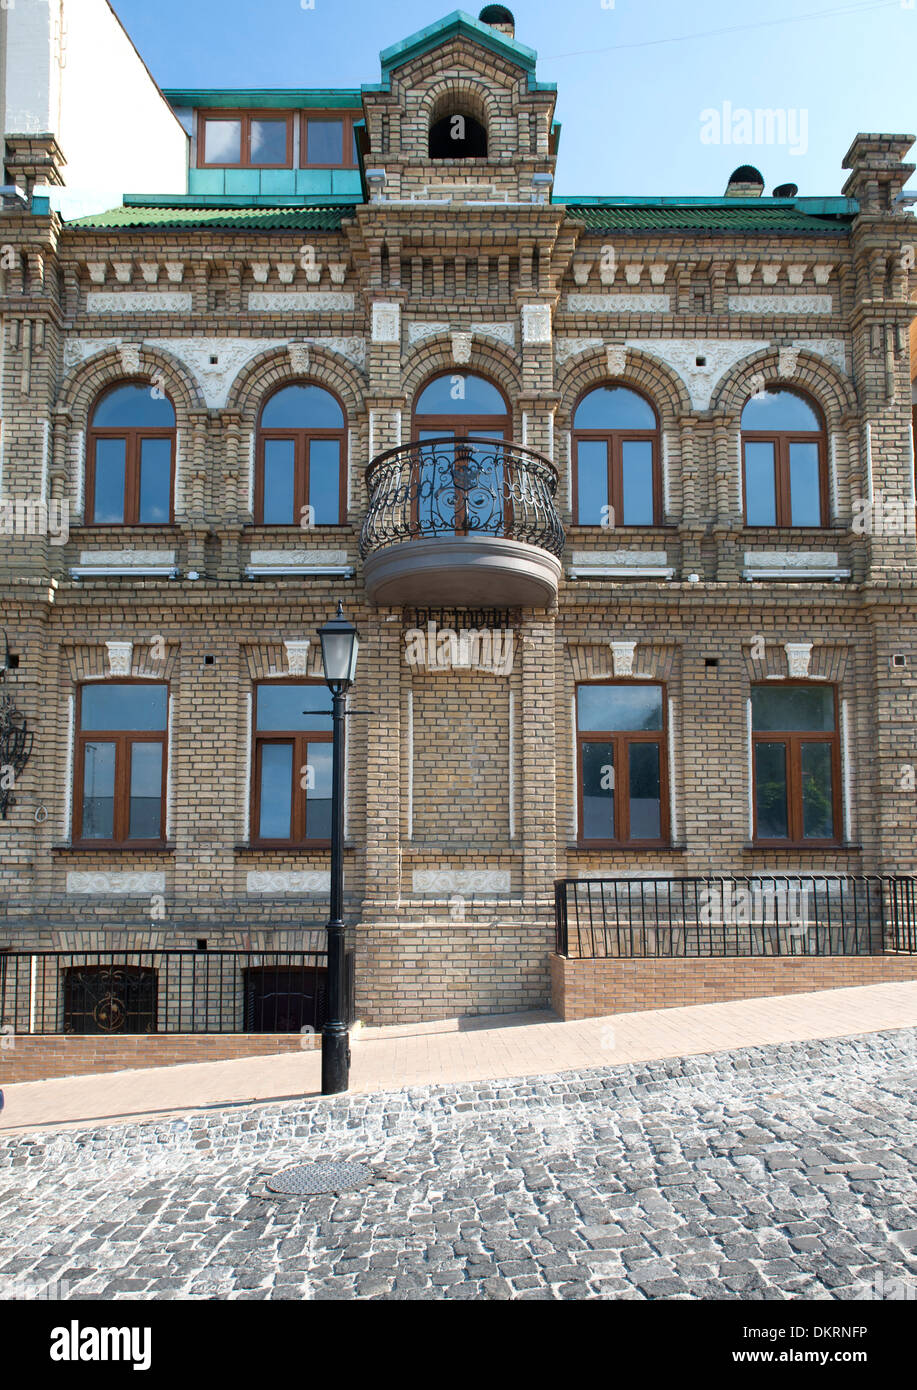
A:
(466, 1049)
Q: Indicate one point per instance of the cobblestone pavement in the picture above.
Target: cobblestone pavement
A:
(766, 1173)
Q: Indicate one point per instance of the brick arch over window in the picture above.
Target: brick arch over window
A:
(649, 377)
(434, 357)
(464, 96)
(264, 375)
(814, 376)
(82, 387)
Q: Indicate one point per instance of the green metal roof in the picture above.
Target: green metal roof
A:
(719, 216)
(261, 219)
(277, 98)
(458, 22)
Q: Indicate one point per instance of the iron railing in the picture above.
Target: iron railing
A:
(449, 487)
(170, 991)
(736, 915)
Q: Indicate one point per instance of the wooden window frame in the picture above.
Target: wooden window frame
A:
(614, 439)
(246, 117)
(459, 427)
(123, 740)
(133, 439)
(782, 440)
(792, 739)
(348, 153)
(300, 739)
(621, 738)
(302, 438)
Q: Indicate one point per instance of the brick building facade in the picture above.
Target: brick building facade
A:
(698, 528)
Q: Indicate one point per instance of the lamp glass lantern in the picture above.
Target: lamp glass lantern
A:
(340, 642)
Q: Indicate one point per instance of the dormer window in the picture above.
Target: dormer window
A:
(242, 139)
(458, 135)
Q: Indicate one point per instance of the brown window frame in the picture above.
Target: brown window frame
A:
(620, 738)
(123, 740)
(782, 440)
(614, 439)
(460, 426)
(302, 438)
(246, 117)
(300, 738)
(792, 739)
(349, 118)
(133, 439)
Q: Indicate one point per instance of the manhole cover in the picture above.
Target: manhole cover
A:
(312, 1178)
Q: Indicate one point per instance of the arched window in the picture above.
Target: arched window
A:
(460, 487)
(616, 468)
(131, 457)
(301, 458)
(784, 461)
(458, 135)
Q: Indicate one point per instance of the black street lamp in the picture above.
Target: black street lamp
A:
(339, 639)
(16, 738)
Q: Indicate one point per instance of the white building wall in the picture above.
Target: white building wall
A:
(70, 68)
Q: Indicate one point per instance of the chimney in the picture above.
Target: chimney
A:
(744, 182)
(499, 18)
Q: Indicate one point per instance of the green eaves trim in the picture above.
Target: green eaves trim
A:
(242, 219)
(279, 99)
(713, 219)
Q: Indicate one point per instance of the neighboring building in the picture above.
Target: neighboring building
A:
(688, 550)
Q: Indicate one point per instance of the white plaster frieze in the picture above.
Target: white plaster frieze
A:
(442, 882)
(565, 348)
(298, 559)
(274, 883)
(718, 355)
(123, 559)
(788, 304)
(103, 884)
(138, 302)
(618, 303)
(302, 301)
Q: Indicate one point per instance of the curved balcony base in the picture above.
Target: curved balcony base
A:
(472, 571)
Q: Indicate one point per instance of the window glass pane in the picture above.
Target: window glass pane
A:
(614, 408)
(302, 407)
(134, 407)
(155, 479)
(645, 791)
(435, 492)
(770, 790)
(279, 482)
(222, 142)
(276, 790)
(292, 707)
(805, 494)
(146, 792)
(598, 791)
(591, 481)
(637, 482)
(325, 142)
(132, 708)
(268, 142)
(610, 708)
(108, 501)
(779, 410)
(460, 393)
(98, 791)
(318, 795)
(817, 791)
(799, 708)
(325, 480)
(760, 486)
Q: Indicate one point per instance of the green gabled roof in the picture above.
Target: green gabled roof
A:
(691, 217)
(276, 98)
(466, 26)
(260, 219)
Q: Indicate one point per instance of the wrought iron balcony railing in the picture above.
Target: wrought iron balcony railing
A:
(449, 487)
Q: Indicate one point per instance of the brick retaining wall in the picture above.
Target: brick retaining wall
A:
(592, 988)
(38, 1058)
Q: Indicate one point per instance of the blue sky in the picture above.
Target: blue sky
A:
(633, 83)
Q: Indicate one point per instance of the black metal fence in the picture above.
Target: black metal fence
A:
(753, 915)
(171, 991)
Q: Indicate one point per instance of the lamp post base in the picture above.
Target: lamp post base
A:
(335, 1059)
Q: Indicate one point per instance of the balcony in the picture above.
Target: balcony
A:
(462, 522)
